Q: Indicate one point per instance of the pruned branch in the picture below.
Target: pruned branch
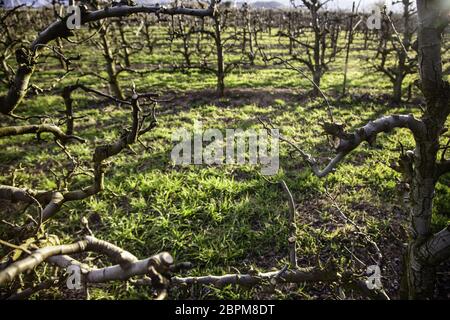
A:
(349, 141)
(287, 276)
(25, 294)
(59, 28)
(27, 57)
(436, 249)
(38, 129)
(128, 264)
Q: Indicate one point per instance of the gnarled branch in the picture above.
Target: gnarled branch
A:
(26, 58)
(436, 249)
(128, 264)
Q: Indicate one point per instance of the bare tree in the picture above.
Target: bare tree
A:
(322, 49)
(184, 29)
(27, 59)
(350, 36)
(392, 43)
(421, 167)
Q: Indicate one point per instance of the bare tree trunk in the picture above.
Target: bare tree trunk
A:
(402, 66)
(290, 32)
(69, 109)
(113, 82)
(366, 37)
(248, 29)
(150, 43)
(317, 76)
(397, 88)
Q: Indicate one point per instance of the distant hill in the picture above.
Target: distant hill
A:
(267, 4)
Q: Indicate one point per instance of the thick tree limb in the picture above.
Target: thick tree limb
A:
(37, 129)
(37, 257)
(162, 261)
(349, 141)
(59, 28)
(300, 275)
(24, 294)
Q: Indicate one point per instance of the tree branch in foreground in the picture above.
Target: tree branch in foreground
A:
(53, 200)
(38, 129)
(347, 142)
(128, 265)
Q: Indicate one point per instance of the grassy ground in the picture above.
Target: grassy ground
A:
(226, 218)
